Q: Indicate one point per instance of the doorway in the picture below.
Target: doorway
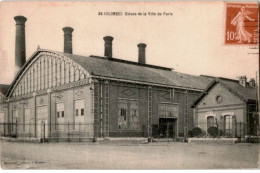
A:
(167, 127)
(42, 116)
(253, 123)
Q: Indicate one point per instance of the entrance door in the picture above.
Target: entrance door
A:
(167, 127)
(42, 116)
(60, 116)
(79, 114)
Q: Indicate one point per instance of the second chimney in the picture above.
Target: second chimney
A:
(242, 80)
(20, 48)
(252, 82)
(141, 53)
(68, 39)
(108, 46)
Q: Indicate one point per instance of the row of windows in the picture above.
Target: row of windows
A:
(81, 112)
(60, 114)
(48, 72)
(228, 121)
(168, 110)
(128, 114)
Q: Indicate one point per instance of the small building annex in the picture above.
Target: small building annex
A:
(230, 105)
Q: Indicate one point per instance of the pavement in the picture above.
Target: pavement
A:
(158, 155)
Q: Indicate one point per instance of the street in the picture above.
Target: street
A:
(162, 155)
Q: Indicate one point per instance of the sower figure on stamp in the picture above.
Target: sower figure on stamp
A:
(241, 33)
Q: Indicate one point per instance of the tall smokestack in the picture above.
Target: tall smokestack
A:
(20, 49)
(141, 53)
(108, 46)
(68, 39)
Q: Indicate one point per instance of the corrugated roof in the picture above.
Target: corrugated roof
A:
(4, 88)
(101, 66)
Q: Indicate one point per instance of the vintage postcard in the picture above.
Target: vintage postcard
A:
(129, 85)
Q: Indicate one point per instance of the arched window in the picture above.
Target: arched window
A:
(38, 75)
(29, 80)
(76, 74)
(210, 121)
(67, 73)
(82, 76)
(42, 73)
(46, 71)
(72, 71)
(50, 72)
(58, 72)
(62, 76)
(54, 72)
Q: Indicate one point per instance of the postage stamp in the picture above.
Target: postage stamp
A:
(241, 24)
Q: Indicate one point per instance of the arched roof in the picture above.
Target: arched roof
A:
(118, 69)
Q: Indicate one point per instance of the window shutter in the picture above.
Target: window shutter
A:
(234, 126)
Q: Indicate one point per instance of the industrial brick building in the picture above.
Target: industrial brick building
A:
(96, 96)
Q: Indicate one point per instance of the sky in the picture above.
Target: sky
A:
(190, 40)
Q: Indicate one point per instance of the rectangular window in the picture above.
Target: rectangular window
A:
(122, 114)
(128, 114)
(168, 110)
(58, 114)
(62, 114)
(77, 112)
(228, 120)
(134, 115)
(228, 125)
(82, 112)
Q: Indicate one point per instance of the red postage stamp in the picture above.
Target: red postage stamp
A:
(241, 24)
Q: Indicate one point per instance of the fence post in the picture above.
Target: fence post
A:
(4, 129)
(240, 129)
(167, 132)
(29, 130)
(57, 134)
(43, 132)
(79, 131)
(16, 129)
(68, 131)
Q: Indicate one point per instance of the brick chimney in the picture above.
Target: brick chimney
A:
(141, 53)
(108, 46)
(242, 80)
(252, 82)
(68, 39)
(20, 48)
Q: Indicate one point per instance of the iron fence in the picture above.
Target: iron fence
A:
(225, 129)
(88, 131)
(69, 131)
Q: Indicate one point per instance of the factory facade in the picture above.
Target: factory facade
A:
(67, 95)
